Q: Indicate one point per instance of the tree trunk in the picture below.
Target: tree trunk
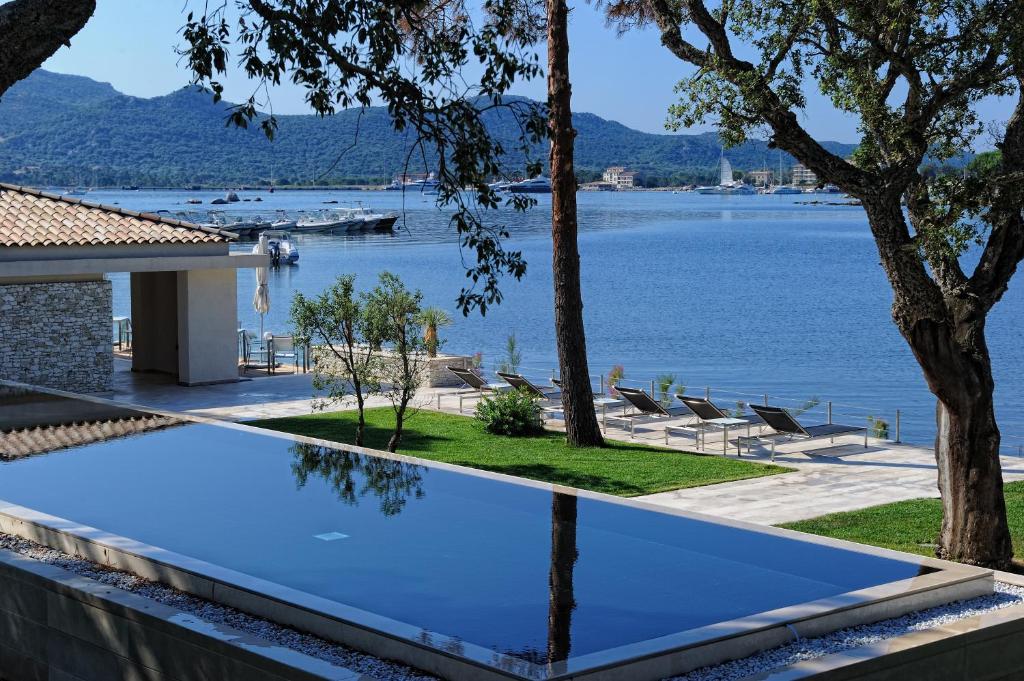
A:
(946, 333)
(32, 30)
(361, 422)
(561, 597)
(396, 436)
(959, 372)
(581, 426)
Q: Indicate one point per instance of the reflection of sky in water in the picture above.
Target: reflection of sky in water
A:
(756, 294)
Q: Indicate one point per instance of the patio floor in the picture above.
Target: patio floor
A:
(829, 479)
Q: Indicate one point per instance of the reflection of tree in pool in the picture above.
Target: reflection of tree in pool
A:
(561, 593)
(353, 475)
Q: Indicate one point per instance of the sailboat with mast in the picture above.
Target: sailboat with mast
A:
(727, 185)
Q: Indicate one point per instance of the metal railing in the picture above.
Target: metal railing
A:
(829, 410)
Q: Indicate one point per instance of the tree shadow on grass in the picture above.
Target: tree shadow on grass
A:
(561, 476)
(413, 442)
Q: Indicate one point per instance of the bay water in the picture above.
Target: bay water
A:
(750, 295)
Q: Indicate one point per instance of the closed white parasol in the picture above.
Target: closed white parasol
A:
(261, 299)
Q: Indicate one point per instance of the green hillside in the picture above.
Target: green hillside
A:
(59, 129)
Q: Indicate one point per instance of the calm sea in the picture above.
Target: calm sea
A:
(750, 295)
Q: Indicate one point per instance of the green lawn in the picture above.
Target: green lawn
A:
(619, 468)
(910, 526)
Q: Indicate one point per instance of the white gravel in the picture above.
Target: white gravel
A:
(804, 649)
(383, 670)
(810, 648)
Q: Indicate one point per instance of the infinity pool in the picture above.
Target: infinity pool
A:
(521, 570)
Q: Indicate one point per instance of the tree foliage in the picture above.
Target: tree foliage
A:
(397, 313)
(912, 73)
(346, 342)
(413, 56)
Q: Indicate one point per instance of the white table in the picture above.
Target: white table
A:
(724, 424)
(603, 403)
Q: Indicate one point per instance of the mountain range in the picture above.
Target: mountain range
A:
(58, 129)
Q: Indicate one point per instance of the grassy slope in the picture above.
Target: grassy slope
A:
(619, 468)
(910, 526)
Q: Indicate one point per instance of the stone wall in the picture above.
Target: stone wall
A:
(436, 374)
(57, 334)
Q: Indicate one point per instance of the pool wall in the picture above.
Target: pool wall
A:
(454, 659)
(58, 626)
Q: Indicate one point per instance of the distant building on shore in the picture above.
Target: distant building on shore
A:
(803, 175)
(761, 178)
(620, 177)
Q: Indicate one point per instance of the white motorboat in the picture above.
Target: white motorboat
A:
(280, 247)
(282, 222)
(535, 185)
(784, 189)
(325, 221)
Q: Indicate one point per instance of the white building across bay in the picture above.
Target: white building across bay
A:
(803, 175)
(620, 177)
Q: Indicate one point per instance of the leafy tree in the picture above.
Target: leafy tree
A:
(911, 72)
(412, 55)
(33, 30)
(395, 311)
(338, 326)
(581, 426)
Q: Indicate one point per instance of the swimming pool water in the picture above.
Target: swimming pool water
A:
(466, 556)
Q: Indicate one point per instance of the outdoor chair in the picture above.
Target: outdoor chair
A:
(475, 385)
(709, 415)
(646, 407)
(255, 354)
(522, 383)
(283, 347)
(788, 428)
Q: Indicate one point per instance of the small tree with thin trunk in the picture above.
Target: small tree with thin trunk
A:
(395, 311)
(345, 341)
(911, 72)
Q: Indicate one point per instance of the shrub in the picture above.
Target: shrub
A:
(878, 428)
(616, 375)
(514, 412)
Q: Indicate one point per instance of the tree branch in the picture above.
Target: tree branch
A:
(32, 30)
(1004, 249)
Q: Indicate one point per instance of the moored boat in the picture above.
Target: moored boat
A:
(535, 185)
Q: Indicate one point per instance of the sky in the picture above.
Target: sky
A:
(630, 79)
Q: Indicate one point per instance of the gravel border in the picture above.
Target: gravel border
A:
(1005, 595)
(382, 670)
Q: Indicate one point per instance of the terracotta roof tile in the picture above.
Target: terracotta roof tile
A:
(30, 441)
(29, 217)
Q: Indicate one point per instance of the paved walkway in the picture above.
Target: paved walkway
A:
(840, 478)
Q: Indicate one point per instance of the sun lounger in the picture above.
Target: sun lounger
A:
(787, 427)
(646, 407)
(475, 384)
(710, 416)
(521, 382)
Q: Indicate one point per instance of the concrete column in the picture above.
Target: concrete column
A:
(207, 326)
(154, 322)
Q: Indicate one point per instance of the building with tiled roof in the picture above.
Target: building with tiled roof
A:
(29, 217)
(55, 298)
